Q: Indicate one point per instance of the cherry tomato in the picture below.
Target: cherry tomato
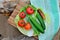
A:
(21, 23)
(27, 26)
(29, 10)
(22, 15)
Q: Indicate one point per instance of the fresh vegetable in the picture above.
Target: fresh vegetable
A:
(22, 15)
(37, 25)
(27, 26)
(29, 10)
(40, 20)
(36, 32)
(21, 23)
(31, 23)
(41, 13)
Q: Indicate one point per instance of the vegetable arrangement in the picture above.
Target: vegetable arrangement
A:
(32, 18)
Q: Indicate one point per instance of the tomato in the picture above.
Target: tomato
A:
(22, 15)
(21, 23)
(28, 26)
(29, 10)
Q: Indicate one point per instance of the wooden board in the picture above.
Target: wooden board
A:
(15, 12)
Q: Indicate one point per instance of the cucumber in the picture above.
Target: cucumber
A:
(41, 21)
(36, 32)
(37, 25)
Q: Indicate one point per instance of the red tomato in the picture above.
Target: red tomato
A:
(27, 26)
(22, 15)
(29, 10)
(21, 23)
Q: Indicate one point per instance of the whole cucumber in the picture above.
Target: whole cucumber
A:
(37, 25)
(41, 20)
(34, 28)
